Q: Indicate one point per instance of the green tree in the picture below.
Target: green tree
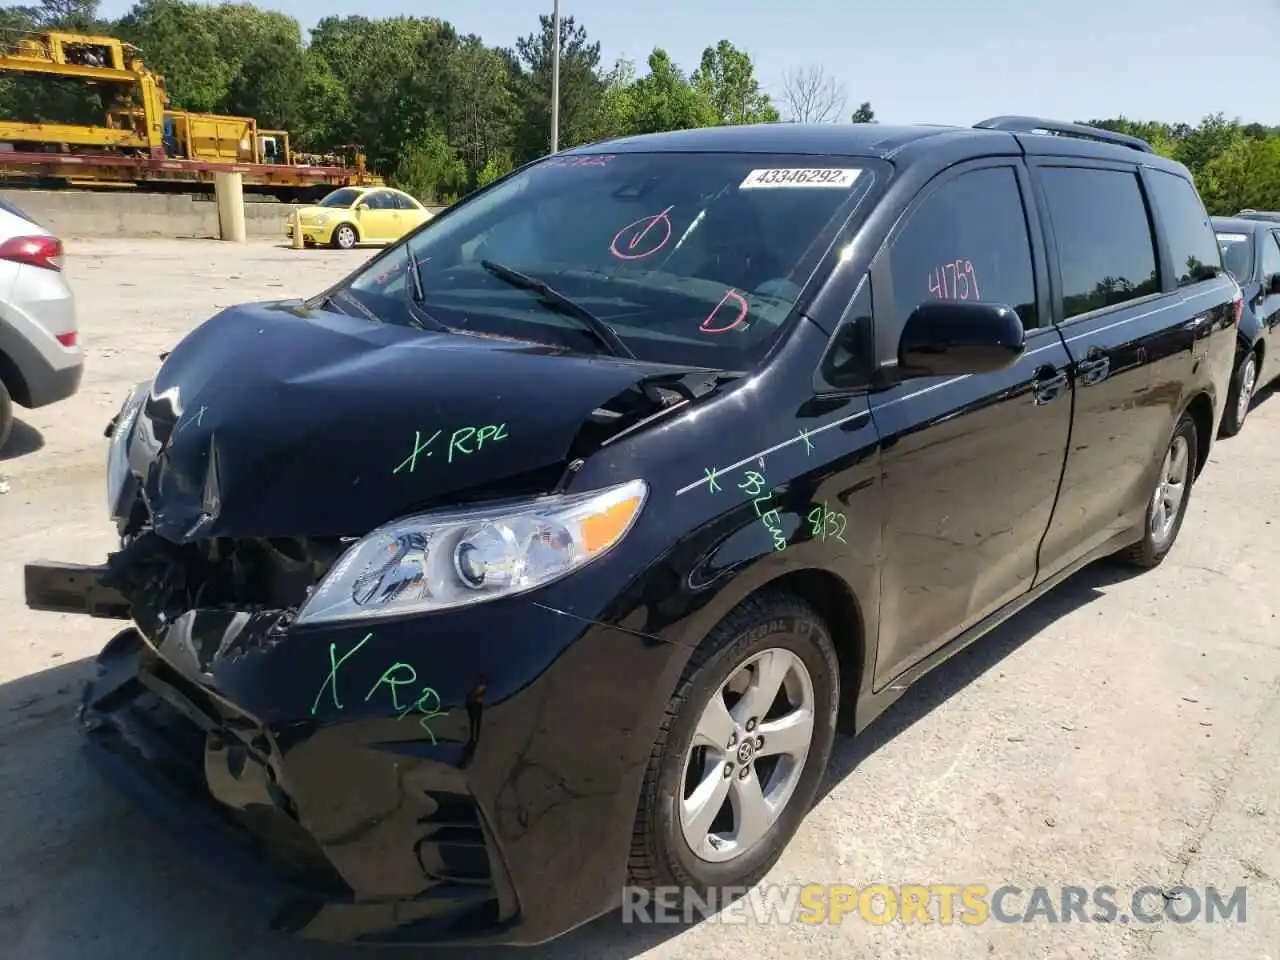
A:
(495, 168)
(180, 41)
(1245, 174)
(727, 78)
(665, 100)
(431, 170)
(476, 106)
(1212, 137)
(864, 113)
(271, 84)
(381, 64)
(323, 115)
(73, 16)
(616, 115)
(581, 88)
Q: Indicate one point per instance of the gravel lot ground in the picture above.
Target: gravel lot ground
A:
(1122, 732)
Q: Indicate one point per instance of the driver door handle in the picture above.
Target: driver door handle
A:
(1048, 384)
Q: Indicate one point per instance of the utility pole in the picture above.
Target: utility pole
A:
(555, 79)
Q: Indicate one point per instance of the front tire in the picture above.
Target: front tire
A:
(1168, 503)
(1243, 385)
(742, 749)
(344, 236)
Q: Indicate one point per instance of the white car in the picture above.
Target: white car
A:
(41, 361)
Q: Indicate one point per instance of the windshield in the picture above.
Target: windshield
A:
(1237, 255)
(342, 198)
(691, 259)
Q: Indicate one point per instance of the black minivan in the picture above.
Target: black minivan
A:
(637, 470)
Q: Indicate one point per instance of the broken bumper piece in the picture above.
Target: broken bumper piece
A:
(72, 588)
(504, 824)
(197, 768)
(139, 728)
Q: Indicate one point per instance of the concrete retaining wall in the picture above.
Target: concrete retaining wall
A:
(88, 213)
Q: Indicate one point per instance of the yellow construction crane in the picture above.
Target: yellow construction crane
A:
(106, 61)
(140, 141)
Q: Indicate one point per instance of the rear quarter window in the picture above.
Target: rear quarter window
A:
(1106, 254)
(1270, 255)
(1237, 254)
(1196, 255)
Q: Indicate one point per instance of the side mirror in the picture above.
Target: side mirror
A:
(1273, 285)
(947, 338)
(360, 205)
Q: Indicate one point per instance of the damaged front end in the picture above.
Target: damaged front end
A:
(196, 712)
(295, 494)
(160, 718)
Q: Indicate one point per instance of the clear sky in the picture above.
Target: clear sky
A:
(936, 61)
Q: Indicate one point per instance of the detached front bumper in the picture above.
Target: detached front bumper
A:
(295, 763)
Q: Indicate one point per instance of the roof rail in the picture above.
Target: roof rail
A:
(1078, 130)
(1248, 213)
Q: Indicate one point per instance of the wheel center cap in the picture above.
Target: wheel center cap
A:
(746, 750)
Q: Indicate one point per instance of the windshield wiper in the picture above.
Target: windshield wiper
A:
(342, 296)
(559, 302)
(418, 315)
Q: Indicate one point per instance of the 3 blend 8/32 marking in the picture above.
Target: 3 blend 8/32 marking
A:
(824, 522)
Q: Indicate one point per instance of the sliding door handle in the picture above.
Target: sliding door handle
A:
(1048, 384)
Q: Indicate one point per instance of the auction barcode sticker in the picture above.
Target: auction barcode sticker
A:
(1232, 237)
(799, 177)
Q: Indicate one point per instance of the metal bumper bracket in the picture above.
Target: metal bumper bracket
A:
(72, 588)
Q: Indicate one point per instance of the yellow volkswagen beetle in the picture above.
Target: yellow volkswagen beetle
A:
(354, 215)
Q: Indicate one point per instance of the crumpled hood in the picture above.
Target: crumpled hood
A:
(272, 420)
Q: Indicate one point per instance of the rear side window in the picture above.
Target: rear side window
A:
(967, 241)
(1196, 256)
(1106, 254)
(1270, 256)
(1237, 254)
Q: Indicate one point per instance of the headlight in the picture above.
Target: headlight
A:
(118, 450)
(436, 561)
(320, 219)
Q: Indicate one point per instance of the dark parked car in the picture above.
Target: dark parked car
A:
(1251, 252)
(542, 554)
